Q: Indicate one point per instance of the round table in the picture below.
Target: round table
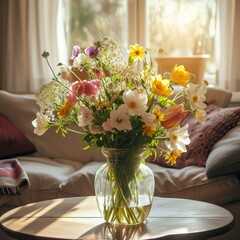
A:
(78, 218)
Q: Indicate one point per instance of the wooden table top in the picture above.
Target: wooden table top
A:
(79, 218)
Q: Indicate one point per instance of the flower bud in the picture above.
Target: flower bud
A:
(173, 116)
(75, 52)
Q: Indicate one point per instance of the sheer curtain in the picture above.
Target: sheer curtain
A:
(30, 27)
(234, 85)
(228, 48)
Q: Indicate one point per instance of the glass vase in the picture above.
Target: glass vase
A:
(124, 187)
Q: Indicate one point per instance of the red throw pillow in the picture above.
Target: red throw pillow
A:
(12, 140)
(203, 136)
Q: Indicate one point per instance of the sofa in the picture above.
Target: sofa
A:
(59, 167)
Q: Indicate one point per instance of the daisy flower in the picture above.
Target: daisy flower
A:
(149, 130)
(196, 94)
(178, 138)
(135, 102)
(172, 157)
(136, 52)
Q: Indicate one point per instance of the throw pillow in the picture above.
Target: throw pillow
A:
(21, 111)
(224, 157)
(203, 136)
(12, 141)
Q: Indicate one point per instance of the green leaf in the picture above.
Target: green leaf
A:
(99, 143)
(165, 102)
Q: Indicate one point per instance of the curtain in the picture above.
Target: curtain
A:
(228, 47)
(30, 27)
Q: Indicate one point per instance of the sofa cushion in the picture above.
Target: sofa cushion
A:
(81, 183)
(21, 110)
(190, 182)
(203, 136)
(224, 157)
(217, 96)
(45, 175)
(12, 141)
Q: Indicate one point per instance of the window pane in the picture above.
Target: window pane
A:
(183, 27)
(91, 19)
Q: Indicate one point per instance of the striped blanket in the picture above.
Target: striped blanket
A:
(13, 178)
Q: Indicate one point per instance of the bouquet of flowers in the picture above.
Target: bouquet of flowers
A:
(123, 104)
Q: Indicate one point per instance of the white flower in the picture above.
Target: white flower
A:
(95, 129)
(148, 118)
(119, 119)
(40, 124)
(200, 115)
(51, 95)
(178, 138)
(196, 94)
(138, 65)
(85, 116)
(107, 125)
(136, 103)
(79, 60)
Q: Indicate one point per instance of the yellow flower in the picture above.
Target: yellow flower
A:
(149, 130)
(180, 76)
(136, 52)
(161, 86)
(98, 104)
(64, 110)
(200, 115)
(172, 156)
(159, 116)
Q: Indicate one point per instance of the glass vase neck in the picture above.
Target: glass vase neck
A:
(117, 154)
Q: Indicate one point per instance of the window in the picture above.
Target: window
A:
(91, 19)
(183, 28)
(180, 27)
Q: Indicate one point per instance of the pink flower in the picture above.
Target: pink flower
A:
(85, 116)
(91, 87)
(85, 87)
(96, 82)
(72, 98)
(107, 125)
(148, 118)
(95, 129)
(92, 52)
(78, 88)
(119, 119)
